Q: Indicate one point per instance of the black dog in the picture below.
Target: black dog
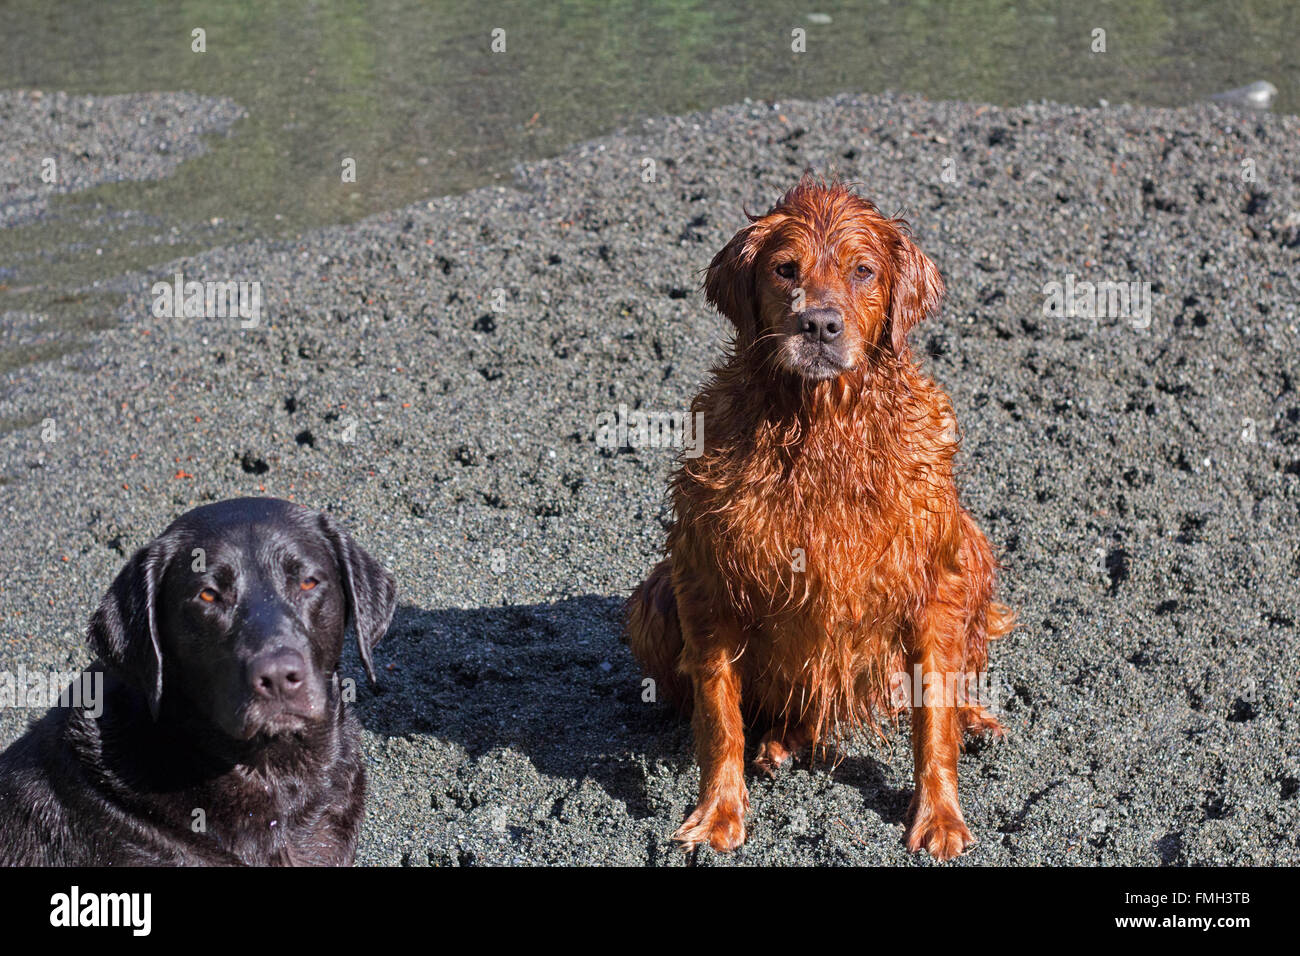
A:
(224, 736)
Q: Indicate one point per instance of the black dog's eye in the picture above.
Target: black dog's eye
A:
(863, 272)
(208, 595)
(788, 270)
(308, 583)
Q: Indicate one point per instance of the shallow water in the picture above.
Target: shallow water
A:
(414, 93)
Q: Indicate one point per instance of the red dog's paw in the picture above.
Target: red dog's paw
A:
(778, 749)
(942, 833)
(977, 720)
(720, 823)
(771, 757)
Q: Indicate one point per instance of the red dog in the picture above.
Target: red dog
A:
(820, 565)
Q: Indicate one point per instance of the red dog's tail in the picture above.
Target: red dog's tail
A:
(654, 634)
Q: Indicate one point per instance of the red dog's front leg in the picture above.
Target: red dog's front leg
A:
(936, 818)
(719, 817)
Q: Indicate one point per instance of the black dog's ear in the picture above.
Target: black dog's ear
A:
(370, 590)
(916, 293)
(123, 630)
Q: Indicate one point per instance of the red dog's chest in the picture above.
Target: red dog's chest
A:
(788, 541)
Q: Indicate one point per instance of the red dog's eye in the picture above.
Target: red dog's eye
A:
(308, 584)
(207, 594)
(864, 272)
(788, 270)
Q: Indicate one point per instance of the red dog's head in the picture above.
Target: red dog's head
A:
(822, 283)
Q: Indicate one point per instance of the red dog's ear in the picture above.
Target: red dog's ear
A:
(730, 283)
(918, 287)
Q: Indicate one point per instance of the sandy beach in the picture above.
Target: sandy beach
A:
(434, 375)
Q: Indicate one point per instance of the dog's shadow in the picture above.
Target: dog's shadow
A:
(555, 683)
(551, 681)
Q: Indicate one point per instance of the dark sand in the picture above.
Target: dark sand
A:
(96, 139)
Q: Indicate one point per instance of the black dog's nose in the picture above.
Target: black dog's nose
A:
(820, 325)
(278, 675)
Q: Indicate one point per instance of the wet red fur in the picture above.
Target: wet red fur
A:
(852, 468)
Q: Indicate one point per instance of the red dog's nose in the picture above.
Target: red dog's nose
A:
(821, 325)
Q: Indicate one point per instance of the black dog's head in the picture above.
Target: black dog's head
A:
(237, 612)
